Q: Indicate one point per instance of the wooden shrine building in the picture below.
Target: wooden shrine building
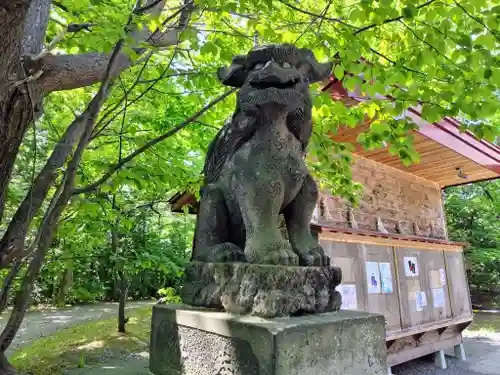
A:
(393, 249)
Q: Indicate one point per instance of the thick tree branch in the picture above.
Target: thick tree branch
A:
(8, 281)
(66, 72)
(151, 143)
(13, 239)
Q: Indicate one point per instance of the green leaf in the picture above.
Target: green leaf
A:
(210, 48)
(431, 113)
(338, 71)
(486, 40)
(409, 11)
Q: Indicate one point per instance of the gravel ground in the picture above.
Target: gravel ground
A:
(38, 324)
(483, 358)
(482, 350)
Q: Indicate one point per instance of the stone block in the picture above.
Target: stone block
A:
(262, 290)
(190, 341)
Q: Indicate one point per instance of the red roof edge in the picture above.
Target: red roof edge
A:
(445, 132)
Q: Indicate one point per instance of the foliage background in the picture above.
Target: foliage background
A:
(442, 55)
(473, 214)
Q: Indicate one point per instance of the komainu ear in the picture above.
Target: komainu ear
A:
(235, 74)
(314, 70)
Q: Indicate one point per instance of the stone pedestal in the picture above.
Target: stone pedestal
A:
(191, 341)
(263, 290)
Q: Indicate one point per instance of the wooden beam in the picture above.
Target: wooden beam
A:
(385, 239)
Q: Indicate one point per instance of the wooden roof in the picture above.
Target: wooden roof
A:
(447, 157)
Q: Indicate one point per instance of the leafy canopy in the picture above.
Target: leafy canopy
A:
(439, 55)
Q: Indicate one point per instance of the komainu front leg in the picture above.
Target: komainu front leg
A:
(211, 237)
(260, 201)
(298, 216)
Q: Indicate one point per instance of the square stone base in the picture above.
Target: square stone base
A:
(193, 341)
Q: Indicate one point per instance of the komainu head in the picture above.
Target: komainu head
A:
(275, 76)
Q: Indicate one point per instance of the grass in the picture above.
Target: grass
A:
(484, 323)
(84, 344)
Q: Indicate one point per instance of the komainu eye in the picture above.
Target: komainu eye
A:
(286, 65)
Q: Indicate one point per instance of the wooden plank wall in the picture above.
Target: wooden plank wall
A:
(431, 292)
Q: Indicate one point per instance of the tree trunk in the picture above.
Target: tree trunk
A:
(5, 367)
(64, 284)
(22, 25)
(123, 298)
(120, 281)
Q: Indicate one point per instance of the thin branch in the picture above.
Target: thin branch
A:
(235, 30)
(146, 7)
(478, 20)
(134, 84)
(242, 15)
(324, 14)
(422, 74)
(207, 125)
(368, 27)
(189, 73)
(428, 44)
(61, 6)
(313, 21)
(151, 143)
(236, 33)
(98, 131)
(439, 31)
(337, 20)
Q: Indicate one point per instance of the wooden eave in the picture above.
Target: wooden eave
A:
(386, 239)
(443, 149)
(181, 199)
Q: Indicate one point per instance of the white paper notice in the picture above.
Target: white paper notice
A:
(349, 296)
(442, 276)
(438, 297)
(373, 277)
(421, 300)
(385, 277)
(411, 266)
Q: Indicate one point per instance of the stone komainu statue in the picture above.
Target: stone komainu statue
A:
(255, 170)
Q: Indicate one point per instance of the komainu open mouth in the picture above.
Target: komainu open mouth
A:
(275, 84)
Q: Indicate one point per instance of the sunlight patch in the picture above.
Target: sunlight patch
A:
(92, 345)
